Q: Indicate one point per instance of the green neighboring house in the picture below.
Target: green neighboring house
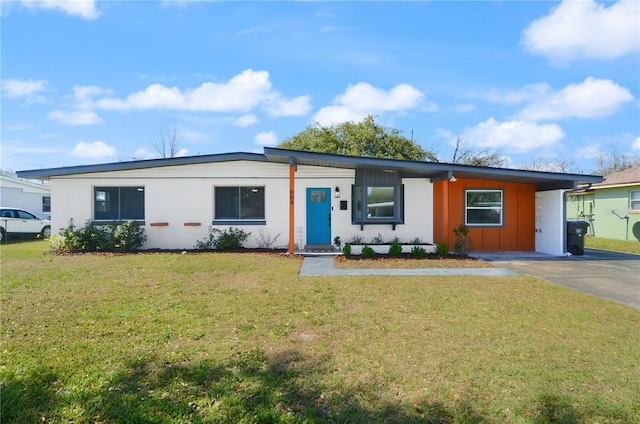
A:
(612, 208)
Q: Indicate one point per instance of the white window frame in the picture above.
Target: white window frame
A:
(468, 208)
(634, 200)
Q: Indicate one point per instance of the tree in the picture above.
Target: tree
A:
(168, 143)
(366, 138)
(614, 160)
(542, 163)
(463, 154)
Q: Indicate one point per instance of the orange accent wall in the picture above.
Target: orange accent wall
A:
(518, 231)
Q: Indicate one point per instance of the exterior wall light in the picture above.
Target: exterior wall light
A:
(337, 193)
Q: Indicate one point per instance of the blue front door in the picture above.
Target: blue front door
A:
(318, 216)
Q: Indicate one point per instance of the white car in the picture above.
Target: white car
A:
(20, 223)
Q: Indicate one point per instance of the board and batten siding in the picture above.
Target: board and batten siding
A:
(518, 231)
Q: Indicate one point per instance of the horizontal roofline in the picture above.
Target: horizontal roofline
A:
(47, 173)
(420, 167)
(435, 171)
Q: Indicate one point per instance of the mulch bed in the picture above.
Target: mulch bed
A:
(407, 261)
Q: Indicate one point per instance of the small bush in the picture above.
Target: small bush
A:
(356, 240)
(377, 239)
(441, 249)
(463, 242)
(265, 241)
(395, 250)
(127, 236)
(224, 240)
(346, 249)
(416, 240)
(368, 252)
(418, 252)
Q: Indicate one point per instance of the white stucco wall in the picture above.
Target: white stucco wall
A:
(178, 195)
(418, 217)
(550, 222)
(184, 194)
(22, 194)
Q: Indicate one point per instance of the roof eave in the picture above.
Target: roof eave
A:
(138, 164)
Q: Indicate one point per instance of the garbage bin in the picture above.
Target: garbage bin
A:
(576, 231)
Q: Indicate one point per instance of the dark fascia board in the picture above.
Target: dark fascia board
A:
(437, 171)
(139, 164)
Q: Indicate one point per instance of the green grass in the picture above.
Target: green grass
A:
(242, 338)
(627, 246)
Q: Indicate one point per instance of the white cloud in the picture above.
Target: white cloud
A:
(279, 106)
(76, 117)
(363, 96)
(513, 136)
(143, 153)
(363, 99)
(242, 93)
(526, 94)
(182, 152)
(636, 144)
(14, 88)
(97, 149)
(83, 8)
(576, 29)
(246, 120)
(330, 115)
(267, 138)
(593, 98)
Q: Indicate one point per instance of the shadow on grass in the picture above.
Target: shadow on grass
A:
(252, 387)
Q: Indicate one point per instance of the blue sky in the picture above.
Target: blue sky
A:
(88, 82)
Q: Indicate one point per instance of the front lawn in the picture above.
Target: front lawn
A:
(242, 338)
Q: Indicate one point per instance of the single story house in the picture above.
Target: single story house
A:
(612, 207)
(308, 198)
(31, 196)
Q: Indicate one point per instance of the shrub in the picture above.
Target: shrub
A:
(395, 250)
(346, 249)
(377, 239)
(265, 241)
(418, 252)
(356, 240)
(416, 240)
(127, 236)
(228, 239)
(463, 246)
(441, 249)
(368, 252)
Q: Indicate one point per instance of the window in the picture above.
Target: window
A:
(118, 203)
(239, 204)
(483, 208)
(377, 204)
(634, 200)
(46, 204)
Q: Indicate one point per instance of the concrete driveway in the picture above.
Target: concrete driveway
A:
(611, 275)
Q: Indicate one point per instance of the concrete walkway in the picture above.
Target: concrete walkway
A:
(324, 266)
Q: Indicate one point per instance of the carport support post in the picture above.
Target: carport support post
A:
(292, 171)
